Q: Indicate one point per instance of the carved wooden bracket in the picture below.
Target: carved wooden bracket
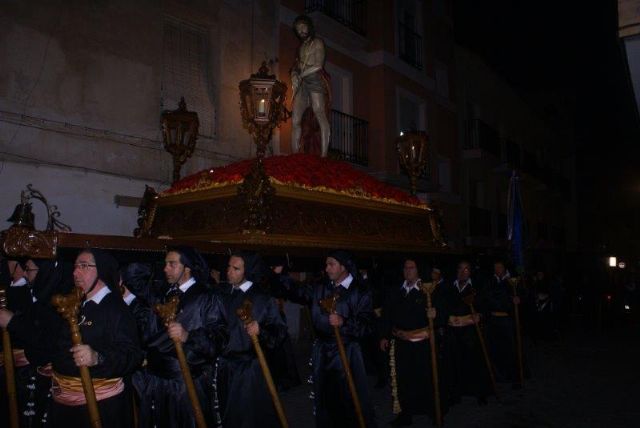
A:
(146, 212)
(20, 241)
(257, 193)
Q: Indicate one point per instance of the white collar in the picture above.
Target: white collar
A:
(19, 283)
(99, 295)
(346, 283)
(244, 286)
(129, 298)
(457, 284)
(406, 286)
(506, 275)
(187, 284)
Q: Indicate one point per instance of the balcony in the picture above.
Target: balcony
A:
(349, 138)
(410, 46)
(481, 139)
(350, 13)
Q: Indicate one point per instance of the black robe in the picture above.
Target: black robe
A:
(160, 386)
(243, 396)
(32, 327)
(19, 301)
(467, 371)
(412, 360)
(107, 328)
(501, 329)
(281, 359)
(333, 404)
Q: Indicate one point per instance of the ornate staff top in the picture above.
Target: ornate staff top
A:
(69, 305)
(168, 311)
(244, 311)
(329, 304)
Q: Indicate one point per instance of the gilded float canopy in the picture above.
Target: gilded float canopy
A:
(314, 203)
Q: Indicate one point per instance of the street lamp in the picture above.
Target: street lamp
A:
(412, 153)
(179, 135)
(262, 99)
(262, 106)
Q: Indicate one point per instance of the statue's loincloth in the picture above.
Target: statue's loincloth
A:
(315, 83)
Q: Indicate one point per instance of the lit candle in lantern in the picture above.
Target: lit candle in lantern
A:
(261, 107)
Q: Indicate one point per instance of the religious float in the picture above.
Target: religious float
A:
(302, 204)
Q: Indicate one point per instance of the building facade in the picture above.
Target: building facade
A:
(502, 134)
(83, 85)
(82, 88)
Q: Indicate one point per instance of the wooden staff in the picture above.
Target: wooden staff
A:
(9, 370)
(68, 307)
(469, 299)
(428, 289)
(167, 313)
(244, 313)
(329, 306)
(516, 314)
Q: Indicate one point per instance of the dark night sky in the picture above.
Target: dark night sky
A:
(569, 49)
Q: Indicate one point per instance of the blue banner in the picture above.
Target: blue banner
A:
(515, 223)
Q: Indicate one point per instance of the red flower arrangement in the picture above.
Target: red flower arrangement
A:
(303, 170)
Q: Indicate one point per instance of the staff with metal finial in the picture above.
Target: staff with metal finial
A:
(9, 369)
(469, 300)
(516, 314)
(68, 307)
(244, 313)
(329, 306)
(428, 289)
(167, 313)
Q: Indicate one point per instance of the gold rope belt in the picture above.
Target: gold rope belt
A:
(68, 390)
(394, 377)
(19, 359)
(454, 318)
(410, 332)
(500, 314)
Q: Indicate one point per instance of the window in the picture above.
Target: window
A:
(444, 174)
(477, 194)
(411, 111)
(409, 32)
(341, 88)
(442, 80)
(186, 72)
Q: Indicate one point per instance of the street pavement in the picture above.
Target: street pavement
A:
(586, 380)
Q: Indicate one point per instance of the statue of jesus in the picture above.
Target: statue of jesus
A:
(310, 85)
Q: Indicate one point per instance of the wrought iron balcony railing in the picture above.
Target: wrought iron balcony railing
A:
(349, 138)
(482, 136)
(350, 13)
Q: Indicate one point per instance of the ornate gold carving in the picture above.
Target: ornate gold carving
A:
(167, 311)
(436, 223)
(146, 212)
(298, 222)
(412, 154)
(257, 192)
(19, 241)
